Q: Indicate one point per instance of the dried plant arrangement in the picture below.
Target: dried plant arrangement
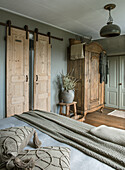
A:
(69, 82)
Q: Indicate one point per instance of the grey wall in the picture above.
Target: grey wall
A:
(113, 45)
(2, 72)
(58, 54)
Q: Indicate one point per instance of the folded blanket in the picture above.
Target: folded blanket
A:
(77, 51)
(110, 134)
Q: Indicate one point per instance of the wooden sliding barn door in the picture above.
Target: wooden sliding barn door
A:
(17, 72)
(42, 73)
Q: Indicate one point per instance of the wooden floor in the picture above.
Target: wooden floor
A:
(97, 118)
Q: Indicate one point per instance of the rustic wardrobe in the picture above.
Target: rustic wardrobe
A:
(89, 92)
(17, 72)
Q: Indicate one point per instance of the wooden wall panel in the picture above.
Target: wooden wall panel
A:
(86, 81)
(78, 67)
(42, 73)
(17, 71)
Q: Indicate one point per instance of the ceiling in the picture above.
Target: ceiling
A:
(84, 17)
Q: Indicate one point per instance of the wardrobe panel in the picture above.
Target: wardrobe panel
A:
(94, 80)
(73, 66)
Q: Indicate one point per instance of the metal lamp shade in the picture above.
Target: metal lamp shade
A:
(110, 30)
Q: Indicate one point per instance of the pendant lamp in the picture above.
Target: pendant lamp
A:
(110, 30)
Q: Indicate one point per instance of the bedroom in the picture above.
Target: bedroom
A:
(59, 48)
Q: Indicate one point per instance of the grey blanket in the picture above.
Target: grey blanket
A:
(76, 134)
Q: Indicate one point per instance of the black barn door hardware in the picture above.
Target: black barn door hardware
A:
(26, 29)
(36, 31)
(8, 24)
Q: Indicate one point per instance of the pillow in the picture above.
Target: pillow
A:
(110, 134)
(13, 140)
(47, 158)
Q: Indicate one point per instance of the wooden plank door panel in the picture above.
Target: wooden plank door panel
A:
(17, 69)
(42, 73)
(94, 80)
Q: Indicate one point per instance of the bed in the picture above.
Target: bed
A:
(79, 160)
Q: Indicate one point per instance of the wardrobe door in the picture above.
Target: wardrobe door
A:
(94, 80)
(17, 72)
(94, 90)
(42, 73)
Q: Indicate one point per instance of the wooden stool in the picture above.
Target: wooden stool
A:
(67, 108)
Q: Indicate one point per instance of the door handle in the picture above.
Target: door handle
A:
(26, 78)
(120, 84)
(36, 77)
